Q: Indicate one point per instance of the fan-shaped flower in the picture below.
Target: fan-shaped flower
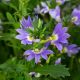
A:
(37, 54)
(71, 49)
(24, 37)
(55, 13)
(60, 36)
(45, 8)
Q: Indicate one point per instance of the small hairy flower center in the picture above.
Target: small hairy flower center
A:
(65, 50)
(59, 2)
(30, 38)
(74, 19)
(36, 51)
(54, 37)
(58, 19)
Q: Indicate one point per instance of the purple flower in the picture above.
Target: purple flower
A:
(58, 61)
(24, 37)
(71, 49)
(60, 1)
(26, 23)
(45, 8)
(37, 9)
(55, 13)
(76, 16)
(31, 54)
(60, 36)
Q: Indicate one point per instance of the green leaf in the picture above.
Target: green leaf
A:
(12, 20)
(10, 17)
(39, 23)
(35, 23)
(54, 71)
(2, 76)
(13, 6)
(28, 77)
(23, 6)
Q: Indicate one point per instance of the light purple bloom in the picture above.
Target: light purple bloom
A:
(24, 37)
(37, 54)
(60, 1)
(60, 35)
(55, 13)
(37, 9)
(45, 8)
(76, 16)
(72, 49)
(58, 61)
(26, 23)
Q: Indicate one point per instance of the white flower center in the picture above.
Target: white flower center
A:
(54, 37)
(74, 19)
(36, 51)
(30, 38)
(65, 49)
(58, 19)
(53, 15)
(59, 1)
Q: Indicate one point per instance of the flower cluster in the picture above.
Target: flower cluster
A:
(54, 13)
(58, 37)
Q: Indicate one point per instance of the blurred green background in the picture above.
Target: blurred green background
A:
(11, 11)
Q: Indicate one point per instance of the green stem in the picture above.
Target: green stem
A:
(71, 62)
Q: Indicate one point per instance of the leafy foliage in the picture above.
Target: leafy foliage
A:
(54, 71)
(12, 65)
(14, 70)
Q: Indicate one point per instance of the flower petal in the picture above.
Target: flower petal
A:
(28, 52)
(20, 37)
(44, 56)
(59, 46)
(26, 23)
(65, 29)
(58, 28)
(47, 44)
(37, 58)
(58, 61)
(52, 13)
(25, 41)
(21, 31)
(47, 52)
(30, 57)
